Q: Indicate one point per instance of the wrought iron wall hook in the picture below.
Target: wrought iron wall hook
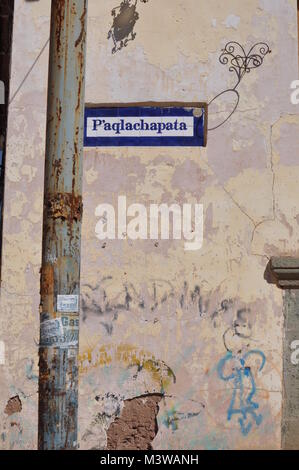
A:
(240, 63)
(233, 90)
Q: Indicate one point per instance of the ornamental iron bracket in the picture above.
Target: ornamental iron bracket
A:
(240, 63)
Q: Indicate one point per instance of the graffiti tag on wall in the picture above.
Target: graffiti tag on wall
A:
(244, 388)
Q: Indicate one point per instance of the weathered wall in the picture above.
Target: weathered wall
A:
(19, 318)
(157, 321)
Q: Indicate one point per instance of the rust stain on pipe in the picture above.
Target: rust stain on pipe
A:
(63, 208)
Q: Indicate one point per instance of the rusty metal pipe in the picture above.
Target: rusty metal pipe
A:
(60, 272)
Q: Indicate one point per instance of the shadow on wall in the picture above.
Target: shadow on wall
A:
(125, 17)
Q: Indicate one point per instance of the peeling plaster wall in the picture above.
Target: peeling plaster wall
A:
(22, 231)
(157, 320)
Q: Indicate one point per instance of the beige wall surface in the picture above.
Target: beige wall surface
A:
(189, 340)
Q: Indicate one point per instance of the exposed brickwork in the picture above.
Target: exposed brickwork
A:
(136, 427)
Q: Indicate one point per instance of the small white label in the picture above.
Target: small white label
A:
(2, 353)
(67, 303)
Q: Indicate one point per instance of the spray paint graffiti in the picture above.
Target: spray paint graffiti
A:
(237, 338)
(242, 403)
(132, 358)
(172, 416)
(97, 301)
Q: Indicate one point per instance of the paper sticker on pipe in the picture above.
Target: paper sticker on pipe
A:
(68, 303)
(60, 332)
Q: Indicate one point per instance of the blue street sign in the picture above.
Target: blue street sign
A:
(176, 125)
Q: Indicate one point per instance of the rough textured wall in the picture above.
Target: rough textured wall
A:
(200, 331)
(19, 307)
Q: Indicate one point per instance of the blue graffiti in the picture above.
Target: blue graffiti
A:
(241, 403)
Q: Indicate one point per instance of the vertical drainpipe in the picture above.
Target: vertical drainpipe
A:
(285, 272)
(60, 273)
